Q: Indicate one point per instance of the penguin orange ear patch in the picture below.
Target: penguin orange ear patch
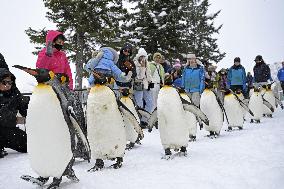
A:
(51, 74)
(63, 79)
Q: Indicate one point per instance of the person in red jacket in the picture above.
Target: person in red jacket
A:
(53, 58)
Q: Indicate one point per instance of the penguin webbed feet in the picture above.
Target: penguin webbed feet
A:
(98, 165)
(129, 146)
(192, 138)
(71, 176)
(55, 183)
(118, 163)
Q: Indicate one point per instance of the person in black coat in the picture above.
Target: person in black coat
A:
(11, 102)
(126, 64)
(261, 70)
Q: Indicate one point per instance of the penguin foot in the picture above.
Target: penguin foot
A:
(263, 115)
(258, 121)
(269, 115)
(183, 151)
(40, 181)
(98, 166)
(251, 121)
(229, 129)
(166, 157)
(71, 176)
(118, 163)
(240, 128)
(129, 146)
(192, 139)
(282, 107)
(55, 183)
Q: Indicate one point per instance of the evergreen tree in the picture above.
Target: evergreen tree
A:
(199, 35)
(86, 24)
(155, 26)
(175, 28)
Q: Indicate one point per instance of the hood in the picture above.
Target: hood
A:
(142, 52)
(5, 73)
(110, 53)
(51, 35)
(3, 63)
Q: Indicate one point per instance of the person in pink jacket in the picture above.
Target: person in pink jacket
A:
(53, 58)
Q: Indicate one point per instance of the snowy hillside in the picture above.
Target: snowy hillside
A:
(251, 158)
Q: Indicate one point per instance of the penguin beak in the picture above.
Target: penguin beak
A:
(30, 71)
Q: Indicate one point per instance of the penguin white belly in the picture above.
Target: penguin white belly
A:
(269, 96)
(190, 118)
(256, 105)
(234, 111)
(131, 134)
(171, 119)
(106, 131)
(48, 136)
(210, 107)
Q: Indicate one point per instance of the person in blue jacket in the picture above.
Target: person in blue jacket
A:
(237, 77)
(280, 76)
(193, 79)
(105, 63)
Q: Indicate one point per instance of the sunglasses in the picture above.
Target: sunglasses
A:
(127, 50)
(4, 82)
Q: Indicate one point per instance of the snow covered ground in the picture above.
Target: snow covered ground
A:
(251, 158)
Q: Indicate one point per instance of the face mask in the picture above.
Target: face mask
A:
(58, 47)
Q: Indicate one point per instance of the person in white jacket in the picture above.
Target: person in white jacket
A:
(142, 84)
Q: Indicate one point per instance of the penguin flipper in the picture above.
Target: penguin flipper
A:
(196, 111)
(79, 132)
(221, 106)
(127, 114)
(266, 103)
(143, 113)
(243, 104)
(153, 119)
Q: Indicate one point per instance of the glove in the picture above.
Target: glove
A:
(127, 77)
(49, 49)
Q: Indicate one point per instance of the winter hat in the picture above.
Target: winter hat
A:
(156, 55)
(237, 59)
(142, 52)
(190, 55)
(177, 65)
(258, 58)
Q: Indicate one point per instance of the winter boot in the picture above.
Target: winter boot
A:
(55, 183)
(118, 163)
(98, 166)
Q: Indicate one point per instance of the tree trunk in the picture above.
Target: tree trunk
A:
(79, 61)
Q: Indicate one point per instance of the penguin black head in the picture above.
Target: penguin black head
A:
(181, 90)
(100, 78)
(125, 92)
(168, 79)
(41, 75)
(62, 77)
(238, 91)
(256, 89)
(227, 92)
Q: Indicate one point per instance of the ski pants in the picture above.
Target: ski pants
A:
(155, 92)
(195, 97)
(14, 138)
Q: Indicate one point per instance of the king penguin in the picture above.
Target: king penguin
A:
(269, 97)
(235, 109)
(213, 108)
(256, 105)
(134, 133)
(105, 123)
(190, 117)
(49, 121)
(172, 122)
